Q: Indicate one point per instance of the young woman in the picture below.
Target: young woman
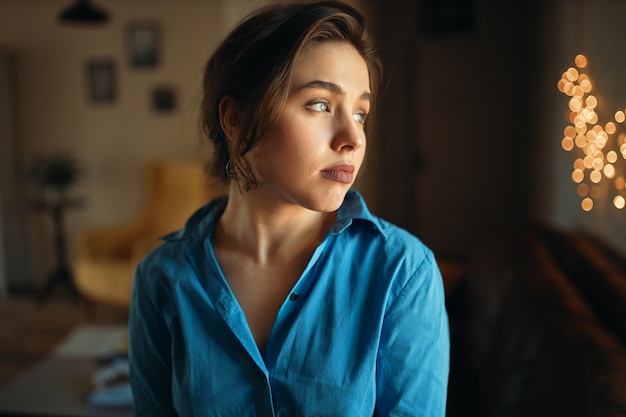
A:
(288, 297)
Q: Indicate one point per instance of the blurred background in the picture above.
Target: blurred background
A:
(469, 130)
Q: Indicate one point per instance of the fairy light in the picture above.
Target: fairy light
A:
(600, 147)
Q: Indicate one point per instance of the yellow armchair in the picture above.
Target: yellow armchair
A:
(107, 256)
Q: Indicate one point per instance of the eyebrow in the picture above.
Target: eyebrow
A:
(332, 87)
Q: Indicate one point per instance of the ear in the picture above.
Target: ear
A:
(229, 117)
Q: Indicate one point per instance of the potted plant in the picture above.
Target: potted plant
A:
(54, 173)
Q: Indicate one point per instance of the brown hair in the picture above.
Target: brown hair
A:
(254, 64)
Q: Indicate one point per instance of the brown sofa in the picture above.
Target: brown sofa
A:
(538, 326)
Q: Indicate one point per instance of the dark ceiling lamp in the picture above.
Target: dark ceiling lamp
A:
(83, 12)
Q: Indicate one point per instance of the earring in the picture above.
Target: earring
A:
(230, 171)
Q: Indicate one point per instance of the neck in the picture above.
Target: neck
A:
(267, 232)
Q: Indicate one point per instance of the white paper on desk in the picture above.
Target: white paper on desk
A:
(117, 396)
(112, 385)
(93, 341)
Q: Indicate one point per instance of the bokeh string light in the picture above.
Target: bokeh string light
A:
(600, 149)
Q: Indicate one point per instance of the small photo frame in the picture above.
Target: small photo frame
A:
(163, 99)
(101, 81)
(144, 40)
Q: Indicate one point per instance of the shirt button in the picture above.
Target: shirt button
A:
(294, 296)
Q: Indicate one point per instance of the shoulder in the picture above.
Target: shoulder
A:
(390, 243)
(403, 252)
(171, 258)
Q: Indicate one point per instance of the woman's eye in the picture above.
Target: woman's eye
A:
(360, 117)
(320, 106)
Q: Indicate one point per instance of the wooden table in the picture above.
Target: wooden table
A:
(55, 387)
(59, 384)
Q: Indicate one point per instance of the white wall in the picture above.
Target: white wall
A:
(113, 141)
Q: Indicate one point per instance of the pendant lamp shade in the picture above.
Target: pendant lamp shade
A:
(83, 12)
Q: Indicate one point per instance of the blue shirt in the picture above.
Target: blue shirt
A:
(364, 331)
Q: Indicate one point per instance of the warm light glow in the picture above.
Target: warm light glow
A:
(580, 61)
(595, 176)
(591, 101)
(610, 128)
(596, 144)
(575, 104)
(579, 164)
(598, 164)
(567, 144)
(572, 74)
(578, 175)
(588, 114)
(595, 192)
(570, 116)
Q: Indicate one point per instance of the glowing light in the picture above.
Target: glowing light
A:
(587, 113)
(598, 164)
(596, 144)
(575, 104)
(571, 74)
(610, 128)
(595, 192)
(591, 101)
(579, 164)
(567, 144)
(595, 176)
(580, 61)
(578, 175)
(586, 86)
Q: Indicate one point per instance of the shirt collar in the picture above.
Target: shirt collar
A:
(202, 222)
(354, 208)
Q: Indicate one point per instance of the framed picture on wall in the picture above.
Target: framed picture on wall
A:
(101, 81)
(163, 99)
(144, 40)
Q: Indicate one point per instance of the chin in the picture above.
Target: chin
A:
(329, 202)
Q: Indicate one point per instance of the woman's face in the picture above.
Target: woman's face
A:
(313, 154)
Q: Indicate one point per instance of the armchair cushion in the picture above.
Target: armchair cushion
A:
(108, 256)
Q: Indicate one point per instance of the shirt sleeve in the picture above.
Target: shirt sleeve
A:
(414, 354)
(150, 347)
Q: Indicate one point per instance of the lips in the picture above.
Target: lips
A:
(343, 173)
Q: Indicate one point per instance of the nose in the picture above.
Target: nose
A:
(349, 134)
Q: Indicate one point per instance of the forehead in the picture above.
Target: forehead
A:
(337, 62)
